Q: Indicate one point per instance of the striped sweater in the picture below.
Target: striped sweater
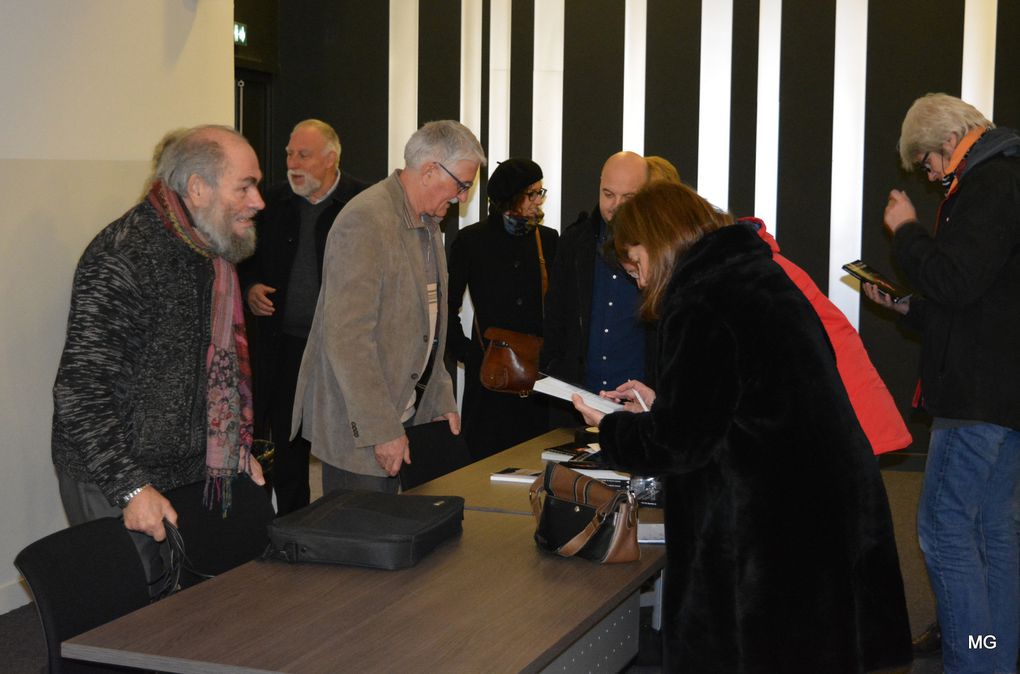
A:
(129, 398)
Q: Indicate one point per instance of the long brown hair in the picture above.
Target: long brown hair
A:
(667, 219)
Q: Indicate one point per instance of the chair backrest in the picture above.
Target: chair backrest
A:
(82, 577)
(214, 543)
(435, 451)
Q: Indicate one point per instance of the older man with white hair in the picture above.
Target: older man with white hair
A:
(153, 389)
(281, 283)
(374, 361)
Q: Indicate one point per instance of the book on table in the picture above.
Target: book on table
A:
(571, 451)
(518, 475)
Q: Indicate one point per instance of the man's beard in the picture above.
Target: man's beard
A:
(218, 231)
(310, 186)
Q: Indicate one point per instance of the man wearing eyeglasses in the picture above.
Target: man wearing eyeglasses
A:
(593, 337)
(373, 365)
(967, 309)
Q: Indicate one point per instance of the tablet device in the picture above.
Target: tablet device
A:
(863, 272)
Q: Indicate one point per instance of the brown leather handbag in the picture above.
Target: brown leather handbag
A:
(580, 516)
(510, 363)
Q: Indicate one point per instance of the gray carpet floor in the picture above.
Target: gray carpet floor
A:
(24, 650)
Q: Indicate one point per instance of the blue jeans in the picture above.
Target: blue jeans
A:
(969, 530)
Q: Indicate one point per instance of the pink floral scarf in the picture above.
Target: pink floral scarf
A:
(228, 371)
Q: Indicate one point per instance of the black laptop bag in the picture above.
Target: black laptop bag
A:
(364, 528)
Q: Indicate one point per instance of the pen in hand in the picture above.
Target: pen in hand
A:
(641, 401)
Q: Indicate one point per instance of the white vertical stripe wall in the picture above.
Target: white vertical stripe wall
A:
(849, 88)
(403, 84)
(471, 90)
(766, 152)
(714, 101)
(547, 97)
(850, 70)
(499, 82)
(634, 52)
(977, 85)
(471, 117)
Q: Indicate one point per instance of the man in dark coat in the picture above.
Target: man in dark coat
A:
(593, 337)
(967, 308)
(281, 284)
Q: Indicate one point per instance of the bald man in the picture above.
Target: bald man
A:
(592, 335)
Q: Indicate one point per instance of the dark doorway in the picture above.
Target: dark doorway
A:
(253, 115)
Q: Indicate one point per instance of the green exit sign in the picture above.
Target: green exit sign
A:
(240, 34)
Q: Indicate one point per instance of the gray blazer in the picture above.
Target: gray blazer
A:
(369, 337)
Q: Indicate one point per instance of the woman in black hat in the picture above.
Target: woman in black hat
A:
(500, 261)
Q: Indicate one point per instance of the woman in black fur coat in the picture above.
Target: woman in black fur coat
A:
(780, 547)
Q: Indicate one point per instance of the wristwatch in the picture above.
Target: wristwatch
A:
(126, 498)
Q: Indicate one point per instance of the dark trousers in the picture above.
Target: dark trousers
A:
(290, 466)
(334, 478)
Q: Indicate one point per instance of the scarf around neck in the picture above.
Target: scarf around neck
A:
(229, 411)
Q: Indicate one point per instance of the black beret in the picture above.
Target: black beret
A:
(511, 177)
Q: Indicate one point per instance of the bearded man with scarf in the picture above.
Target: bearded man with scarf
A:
(153, 389)
(967, 308)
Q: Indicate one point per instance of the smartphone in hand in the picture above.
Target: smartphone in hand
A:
(867, 274)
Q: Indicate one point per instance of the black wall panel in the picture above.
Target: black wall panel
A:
(1007, 66)
(744, 107)
(334, 58)
(592, 98)
(672, 81)
(522, 81)
(439, 61)
(805, 134)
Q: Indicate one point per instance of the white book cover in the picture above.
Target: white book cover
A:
(519, 475)
(558, 388)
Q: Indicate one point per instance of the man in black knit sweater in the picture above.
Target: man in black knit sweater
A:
(153, 389)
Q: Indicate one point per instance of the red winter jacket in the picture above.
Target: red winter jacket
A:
(871, 400)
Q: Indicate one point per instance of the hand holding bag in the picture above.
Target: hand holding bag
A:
(580, 516)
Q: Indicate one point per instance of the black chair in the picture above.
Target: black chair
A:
(435, 451)
(214, 543)
(82, 577)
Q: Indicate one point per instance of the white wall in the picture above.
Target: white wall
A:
(88, 87)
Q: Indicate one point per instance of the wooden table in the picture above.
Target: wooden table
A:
(480, 493)
(487, 601)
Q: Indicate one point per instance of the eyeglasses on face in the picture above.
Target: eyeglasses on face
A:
(923, 164)
(534, 195)
(462, 186)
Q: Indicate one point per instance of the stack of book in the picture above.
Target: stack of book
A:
(585, 459)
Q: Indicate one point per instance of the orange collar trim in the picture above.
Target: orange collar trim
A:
(962, 148)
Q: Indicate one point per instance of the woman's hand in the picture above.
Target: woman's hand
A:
(633, 395)
(592, 416)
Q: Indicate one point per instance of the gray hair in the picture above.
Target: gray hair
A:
(196, 152)
(329, 135)
(931, 120)
(446, 141)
